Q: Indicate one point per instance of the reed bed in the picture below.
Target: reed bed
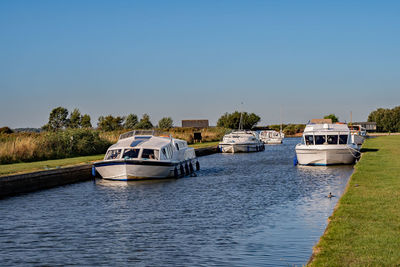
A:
(22, 147)
(207, 134)
(29, 147)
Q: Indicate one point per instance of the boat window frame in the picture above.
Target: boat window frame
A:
(313, 139)
(155, 152)
(335, 135)
(131, 148)
(119, 153)
(347, 139)
(323, 143)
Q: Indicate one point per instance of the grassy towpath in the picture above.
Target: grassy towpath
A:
(364, 229)
(25, 167)
(18, 168)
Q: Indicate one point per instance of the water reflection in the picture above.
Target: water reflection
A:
(242, 210)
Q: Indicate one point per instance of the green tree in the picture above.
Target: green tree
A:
(85, 121)
(75, 119)
(144, 123)
(332, 117)
(165, 123)
(110, 123)
(290, 129)
(58, 119)
(131, 121)
(232, 120)
(6, 130)
(387, 120)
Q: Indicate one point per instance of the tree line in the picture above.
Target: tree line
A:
(60, 119)
(387, 120)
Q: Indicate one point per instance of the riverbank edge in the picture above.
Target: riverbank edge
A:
(11, 185)
(338, 218)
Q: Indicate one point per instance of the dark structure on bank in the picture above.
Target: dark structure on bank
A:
(195, 123)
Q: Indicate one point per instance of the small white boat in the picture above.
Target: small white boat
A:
(241, 141)
(271, 137)
(144, 155)
(326, 144)
(358, 134)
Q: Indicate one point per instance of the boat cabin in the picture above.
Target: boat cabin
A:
(145, 147)
(326, 134)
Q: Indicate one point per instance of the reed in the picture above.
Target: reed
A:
(208, 134)
(22, 147)
(29, 147)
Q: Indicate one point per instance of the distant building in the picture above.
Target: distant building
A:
(321, 121)
(369, 126)
(195, 123)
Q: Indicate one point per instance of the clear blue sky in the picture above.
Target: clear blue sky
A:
(198, 59)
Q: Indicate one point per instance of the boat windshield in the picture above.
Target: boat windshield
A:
(320, 139)
(343, 139)
(309, 139)
(150, 154)
(131, 153)
(332, 139)
(113, 154)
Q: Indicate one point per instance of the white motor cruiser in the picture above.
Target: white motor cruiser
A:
(271, 137)
(144, 155)
(326, 144)
(241, 141)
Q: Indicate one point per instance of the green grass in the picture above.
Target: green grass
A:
(16, 168)
(205, 144)
(364, 230)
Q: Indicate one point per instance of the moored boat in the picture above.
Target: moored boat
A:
(271, 137)
(326, 144)
(145, 155)
(358, 134)
(241, 141)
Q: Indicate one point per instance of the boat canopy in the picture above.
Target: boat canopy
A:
(322, 129)
(142, 141)
(138, 133)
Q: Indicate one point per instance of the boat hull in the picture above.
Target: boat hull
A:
(272, 141)
(240, 148)
(311, 155)
(124, 170)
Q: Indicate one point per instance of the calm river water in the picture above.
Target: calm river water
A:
(241, 210)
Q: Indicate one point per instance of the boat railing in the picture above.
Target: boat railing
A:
(144, 132)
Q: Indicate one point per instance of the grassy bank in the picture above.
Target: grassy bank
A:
(364, 230)
(16, 168)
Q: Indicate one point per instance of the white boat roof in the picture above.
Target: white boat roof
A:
(325, 128)
(142, 141)
(241, 132)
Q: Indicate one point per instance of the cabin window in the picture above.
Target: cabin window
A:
(169, 151)
(309, 139)
(332, 139)
(131, 153)
(113, 154)
(320, 139)
(343, 139)
(164, 152)
(150, 154)
(177, 146)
